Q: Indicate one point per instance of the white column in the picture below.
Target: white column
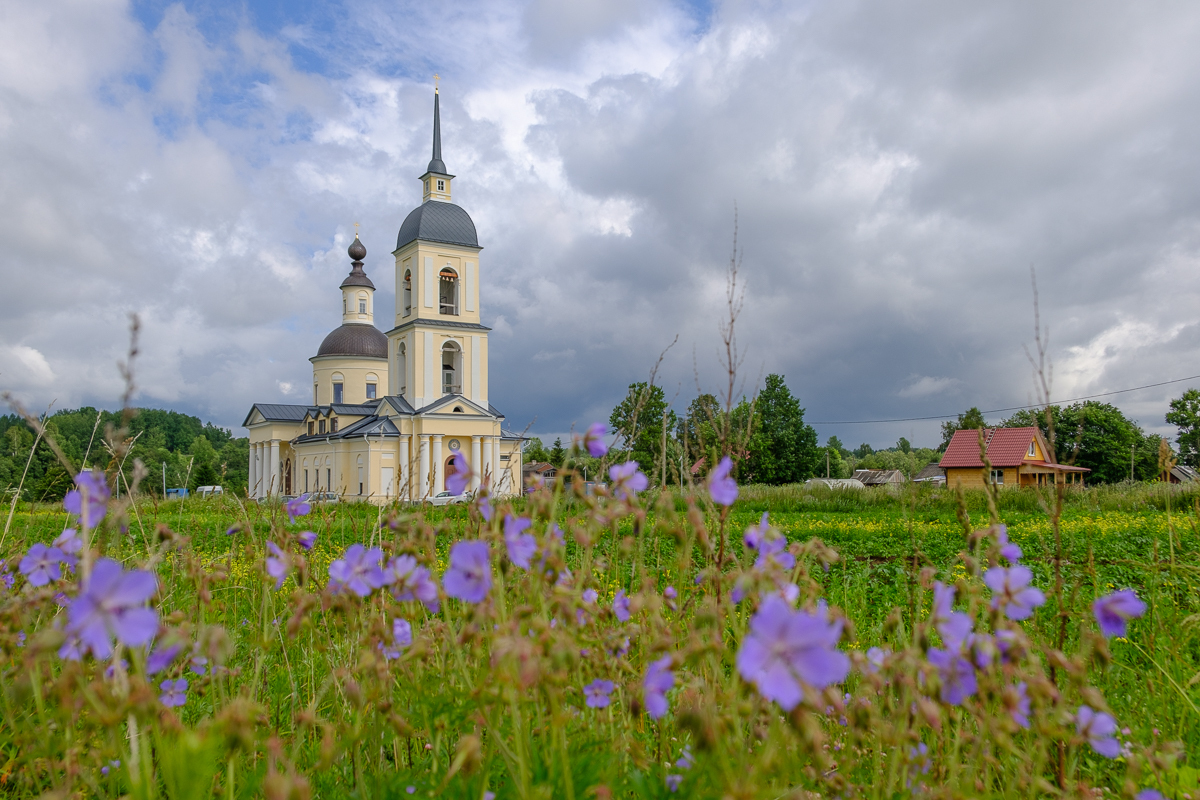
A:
(250, 475)
(423, 476)
(439, 476)
(276, 475)
(475, 465)
(405, 470)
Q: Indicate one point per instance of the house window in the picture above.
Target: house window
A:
(370, 391)
(441, 185)
(310, 428)
(321, 426)
(333, 425)
(337, 393)
(505, 458)
(1032, 450)
(998, 477)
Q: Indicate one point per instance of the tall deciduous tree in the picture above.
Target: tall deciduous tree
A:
(1185, 415)
(639, 421)
(1097, 436)
(786, 451)
(971, 419)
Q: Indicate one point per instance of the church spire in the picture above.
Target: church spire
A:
(436, 164)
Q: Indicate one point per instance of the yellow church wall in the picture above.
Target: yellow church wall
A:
(425, 261)
(354, 371)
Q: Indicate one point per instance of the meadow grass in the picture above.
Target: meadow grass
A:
(298, 696)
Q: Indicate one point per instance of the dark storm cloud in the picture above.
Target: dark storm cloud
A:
(897, 171)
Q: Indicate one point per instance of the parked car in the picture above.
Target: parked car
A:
(209, 491)
(448, 499)
(324, 497)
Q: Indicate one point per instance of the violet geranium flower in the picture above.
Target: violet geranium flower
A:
(954, 626)
(456, 482)
(658, 681)
(1008, 550)
(722, 488)
(306, 539)
(1098, 728)
(786, 647)
(620, 606)
(69, 542)
(593, 440)
(358, 570)
(755, 535)
(162, 657)
(174, 693)
(1017, 701)
(111, 604)
(597, 693)
(401, 639)
(627, 480)
(41, 564)
(1113, 611)
(277, 564)
(1013, 592)
(521, 546)
(90, 500)
(297, 507)
(410, 581)
(774, 549)
(957, 674)
(469, 577)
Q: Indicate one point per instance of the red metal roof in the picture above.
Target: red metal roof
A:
(1006, 447)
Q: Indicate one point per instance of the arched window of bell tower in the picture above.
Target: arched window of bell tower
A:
(451, 368)
(448, 291)
(402, 369)
(407, 292)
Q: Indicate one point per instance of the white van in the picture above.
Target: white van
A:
(209, 491)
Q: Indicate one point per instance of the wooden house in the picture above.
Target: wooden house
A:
(1018, 457)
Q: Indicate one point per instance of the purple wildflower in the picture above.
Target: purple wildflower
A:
(1149, 794)
(597, 693)
(277, 564)
(957, 673)
(199, 663)
(722, 488)
(111, 604)
(659, 679)
(485, 507)
(232, 529)
(1113, 611)
(306, 539)
(69, 542)
(1008, 550)
(1098, 728)
(774, 550)
(111, 765)
(358, 570)
(470, 576)
(297, 507)
(90, 500)
(1018, 702)
(627, 480)
(755, 535)
(401, 639)
(590, 596)
(521, 546)
(1013, 592)
(593, 440)
(620, 606)
(174, 693)
(161, 657)
(954, 626)
(457, 481)
(785, 647)
(875, 658)
(673, 782)
(410, 581)
(670, 593)
(41, 564)
(686, 759)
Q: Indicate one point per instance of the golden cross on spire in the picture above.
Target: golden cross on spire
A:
(356, 230)
(435, 83)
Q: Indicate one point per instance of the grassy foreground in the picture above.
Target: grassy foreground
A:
(307, 691)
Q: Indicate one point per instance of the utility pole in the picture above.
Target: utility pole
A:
(164, 480)
(826, 463)
(1131, 457)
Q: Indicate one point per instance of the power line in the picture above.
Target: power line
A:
(1012, 408)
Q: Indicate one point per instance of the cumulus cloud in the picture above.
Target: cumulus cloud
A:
(896, 173)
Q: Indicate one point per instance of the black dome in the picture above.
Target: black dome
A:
(352, 339)
(435, 221)
(357, 250)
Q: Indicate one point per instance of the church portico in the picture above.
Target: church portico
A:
(390, 411)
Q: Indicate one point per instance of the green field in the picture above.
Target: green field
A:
(488, 697)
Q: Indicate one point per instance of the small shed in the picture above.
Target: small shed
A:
(1181, 473)
(538, 471)
(879, 477)
(835, 483)
(931, 474)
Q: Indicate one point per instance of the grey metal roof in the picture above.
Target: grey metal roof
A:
(435, 221)
(368, 426)
(400, 404)
(506, 434)
(495, 411)
(277, 412)
(450, 399)
(435, 322)
(355, 339)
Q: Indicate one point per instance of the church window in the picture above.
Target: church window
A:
(362, 302)
(402, 369)
(310, 428)
(321, 426)
(458, 410)
(328, 480)
(344, 304)
(333, 425)
(441, 185)
(448, 291)
(451, 368)
(314, 394)
(337, 393)
(372, 383)
(407, 292)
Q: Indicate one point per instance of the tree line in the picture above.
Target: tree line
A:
(179, 447)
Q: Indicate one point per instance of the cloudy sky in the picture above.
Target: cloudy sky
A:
(897, 170)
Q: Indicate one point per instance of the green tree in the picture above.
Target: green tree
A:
(698, 428)
(903, 445)
(836, 444)
(204, 468)
(557, 453)
(640, 420)
(863, 450)
(535, 452)
(1097, 436)
(786, 450)
(971, 419)
(1185, 415)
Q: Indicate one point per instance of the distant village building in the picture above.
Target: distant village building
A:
(932, 474)
(1181, 473)
(1018, 457)
(835, 483)
(538, 470)
(389, 411)
(879, 477)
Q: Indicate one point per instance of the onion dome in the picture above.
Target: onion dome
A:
(357, 277)
(355, 339)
